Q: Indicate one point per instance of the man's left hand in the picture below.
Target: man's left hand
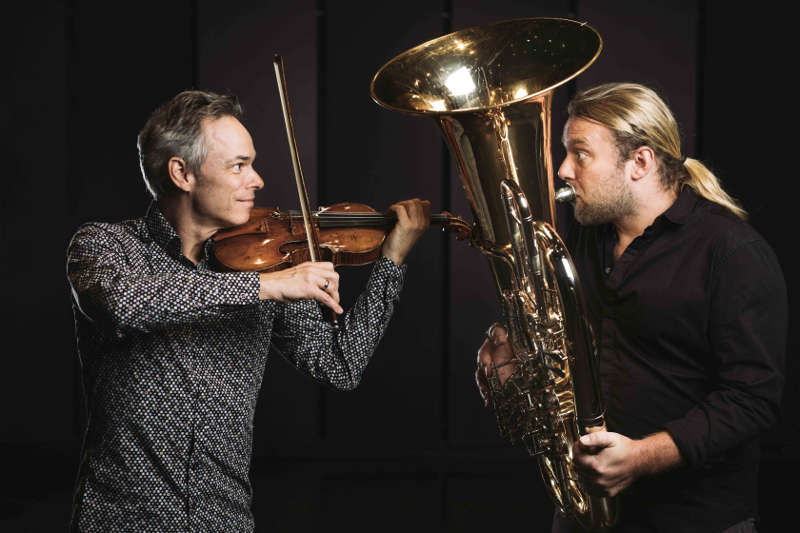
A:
(494, 354)
(609, 462)
(413, 219)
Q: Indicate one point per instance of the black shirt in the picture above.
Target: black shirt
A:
(691, 324)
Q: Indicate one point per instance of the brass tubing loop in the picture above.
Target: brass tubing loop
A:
(489, 89)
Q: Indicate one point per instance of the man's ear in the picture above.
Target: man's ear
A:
(180, 175)
(644, 162)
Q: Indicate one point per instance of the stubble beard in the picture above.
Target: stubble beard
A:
(613, 200)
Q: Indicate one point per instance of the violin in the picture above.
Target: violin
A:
(349, 234)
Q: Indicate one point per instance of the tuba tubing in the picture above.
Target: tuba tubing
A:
(489, 89)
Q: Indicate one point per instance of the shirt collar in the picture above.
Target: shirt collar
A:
(682, 207)
(678, 213)
(162, 232)
(159, 227)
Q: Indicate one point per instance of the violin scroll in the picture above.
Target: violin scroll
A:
(456, 225)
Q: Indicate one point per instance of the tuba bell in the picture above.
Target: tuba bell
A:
(489, 88)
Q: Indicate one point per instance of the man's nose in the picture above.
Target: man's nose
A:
(256, 181)
(565, 171)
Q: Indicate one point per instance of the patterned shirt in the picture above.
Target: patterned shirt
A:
(173, 355)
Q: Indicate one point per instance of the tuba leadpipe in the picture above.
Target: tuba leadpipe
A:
(489, 89)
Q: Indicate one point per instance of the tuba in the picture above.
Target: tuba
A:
(489, 88)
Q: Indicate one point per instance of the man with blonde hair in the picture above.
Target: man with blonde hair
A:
(688, 305)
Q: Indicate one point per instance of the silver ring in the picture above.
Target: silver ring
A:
(490, 331)
(327, 282)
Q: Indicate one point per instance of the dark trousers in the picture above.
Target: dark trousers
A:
(565, 525)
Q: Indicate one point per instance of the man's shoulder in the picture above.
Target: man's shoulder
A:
(735, 245)
(99, 233)
(723, 228)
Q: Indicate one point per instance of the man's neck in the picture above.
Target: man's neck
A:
(648, 209)
(193, 233)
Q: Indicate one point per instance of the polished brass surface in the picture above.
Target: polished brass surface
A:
(486, 66)
(489, 89)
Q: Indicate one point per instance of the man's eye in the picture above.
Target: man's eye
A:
(580, 155)
(237, 167)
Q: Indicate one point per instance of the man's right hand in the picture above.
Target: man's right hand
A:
(306, 281)
(495, 349)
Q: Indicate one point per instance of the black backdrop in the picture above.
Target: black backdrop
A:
(412, 447)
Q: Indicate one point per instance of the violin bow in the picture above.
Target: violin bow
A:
(302, 192)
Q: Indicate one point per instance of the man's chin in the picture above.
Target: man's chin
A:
(232, 221)
(588, 219)
(240, 216)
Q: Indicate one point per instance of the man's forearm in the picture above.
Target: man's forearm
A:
(610, 462)
(339, 358)
(656, 453)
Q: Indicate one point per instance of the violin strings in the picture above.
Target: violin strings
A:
(347, 220)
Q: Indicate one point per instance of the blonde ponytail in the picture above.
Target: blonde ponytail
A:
(639, 117)
(707, 185)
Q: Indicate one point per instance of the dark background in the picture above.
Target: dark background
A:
(412, 448)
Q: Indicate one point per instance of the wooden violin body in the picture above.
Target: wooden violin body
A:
(349, 234)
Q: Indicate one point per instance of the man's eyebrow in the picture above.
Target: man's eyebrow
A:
(574, 141)
(238, 158)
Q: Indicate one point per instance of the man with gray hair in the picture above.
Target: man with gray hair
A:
(173, 350)
(688, 305)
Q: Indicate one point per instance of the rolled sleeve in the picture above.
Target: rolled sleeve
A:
(747, 332)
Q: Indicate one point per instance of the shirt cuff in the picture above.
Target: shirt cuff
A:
(387, 278)
(684, 433)
(241, 288)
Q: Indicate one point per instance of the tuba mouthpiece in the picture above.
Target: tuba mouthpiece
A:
(565, 194)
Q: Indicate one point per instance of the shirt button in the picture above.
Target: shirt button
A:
(608, 271)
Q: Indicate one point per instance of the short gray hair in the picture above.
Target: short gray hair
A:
(174, 129)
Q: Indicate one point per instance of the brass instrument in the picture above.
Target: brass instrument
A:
(489, 88)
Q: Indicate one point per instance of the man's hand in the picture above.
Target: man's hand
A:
(495, 349)
(609, 462)
(317, 281)
(413, 219)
